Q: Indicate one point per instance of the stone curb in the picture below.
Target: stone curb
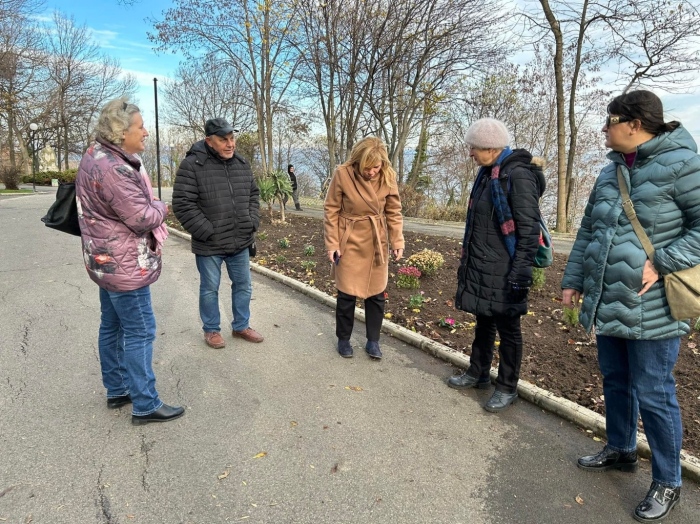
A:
(561, 407)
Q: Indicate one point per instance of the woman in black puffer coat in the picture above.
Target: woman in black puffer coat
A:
(500, 242)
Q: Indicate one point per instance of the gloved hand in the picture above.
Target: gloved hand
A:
(518, 291)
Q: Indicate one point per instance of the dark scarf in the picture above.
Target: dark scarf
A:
(500, 203)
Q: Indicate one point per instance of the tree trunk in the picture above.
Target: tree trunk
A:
(561, 225)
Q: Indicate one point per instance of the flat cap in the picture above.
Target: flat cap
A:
(218, 126)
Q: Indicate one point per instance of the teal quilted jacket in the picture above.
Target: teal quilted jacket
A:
(607, 258)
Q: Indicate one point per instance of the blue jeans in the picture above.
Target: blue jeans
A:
(238, 267)
(638, 379)
(127, 332)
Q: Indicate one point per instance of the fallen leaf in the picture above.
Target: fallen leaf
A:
(354, 388)
(260, 455)
(388, 315)
(223, 475)
(293, 423)
(334, 469)
(579, 500)
(597, 439)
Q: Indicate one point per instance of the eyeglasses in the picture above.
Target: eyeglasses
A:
(612, 120)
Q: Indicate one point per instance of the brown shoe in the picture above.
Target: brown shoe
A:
(248, 334)
(214, 340)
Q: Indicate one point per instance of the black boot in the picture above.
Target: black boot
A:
(610, 459)
(658, 503)
(298, 206)
(465, 381)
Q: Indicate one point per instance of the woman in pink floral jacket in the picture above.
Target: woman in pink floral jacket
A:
(122, 230)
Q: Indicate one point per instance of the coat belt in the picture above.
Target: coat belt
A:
(378, 223)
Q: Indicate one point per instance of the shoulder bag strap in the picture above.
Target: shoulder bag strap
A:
(628, 206)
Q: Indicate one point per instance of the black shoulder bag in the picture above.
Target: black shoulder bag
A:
(63, 213)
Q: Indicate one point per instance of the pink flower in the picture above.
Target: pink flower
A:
(410, 271)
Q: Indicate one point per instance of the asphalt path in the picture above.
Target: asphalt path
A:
(279, 432)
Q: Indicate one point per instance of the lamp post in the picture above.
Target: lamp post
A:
(33, 127)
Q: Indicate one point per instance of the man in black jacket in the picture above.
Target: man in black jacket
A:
(216, 200)
(295, 193)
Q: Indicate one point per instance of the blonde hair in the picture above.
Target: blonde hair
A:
(114, 119)
(369, 152)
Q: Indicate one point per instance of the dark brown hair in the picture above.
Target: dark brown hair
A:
(644, 106)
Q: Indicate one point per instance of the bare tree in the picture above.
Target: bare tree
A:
(206, 88)
(652, 43)
(255, 42)
(81, 80)
(21, 71)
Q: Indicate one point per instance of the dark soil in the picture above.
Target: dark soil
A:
(557, 357)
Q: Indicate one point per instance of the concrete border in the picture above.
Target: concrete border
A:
(562, 407)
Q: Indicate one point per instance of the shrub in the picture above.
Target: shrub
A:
(538, 278)
(309, 250)
(10, 176)
(262, 236)
(427, 261)
(415, 301)
(308, 265)
(43, 178)
(283, 242)
(570, 316)
(408, 278)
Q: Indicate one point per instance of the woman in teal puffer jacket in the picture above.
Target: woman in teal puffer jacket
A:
(623, 294)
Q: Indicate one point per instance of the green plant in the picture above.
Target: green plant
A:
(408, 278)
(266, 189)
(283, 242)
(309, 250)
(570, 316)
(262, 235)
(308, 265)
(697, 325)
(280, 259)
(538, 278)
(427, 261)
(415, 301)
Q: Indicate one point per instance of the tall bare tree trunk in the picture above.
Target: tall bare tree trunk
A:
(561, 225)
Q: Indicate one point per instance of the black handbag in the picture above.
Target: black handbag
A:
(63, 213)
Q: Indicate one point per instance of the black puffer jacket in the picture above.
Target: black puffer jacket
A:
(486, 268)
(216, 201)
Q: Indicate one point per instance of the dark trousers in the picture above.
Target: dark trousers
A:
(345, 315)
(510, 350)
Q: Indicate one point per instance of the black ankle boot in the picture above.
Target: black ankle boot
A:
(658, 503)
(610, 459)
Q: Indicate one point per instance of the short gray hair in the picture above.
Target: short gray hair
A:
(115, 118)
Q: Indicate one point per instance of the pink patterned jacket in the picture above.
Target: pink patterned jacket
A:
(121, 225)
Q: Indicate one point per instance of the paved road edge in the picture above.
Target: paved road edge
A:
(583, 417)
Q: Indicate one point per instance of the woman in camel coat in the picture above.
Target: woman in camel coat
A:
(362, 215)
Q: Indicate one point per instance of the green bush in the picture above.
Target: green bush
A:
(280, 259)
(43, 178)
(570, 316)
(309, 250)
(427, 261)
(538, 278)
(283, 242)
(697, 325)
(308, 265)
(262, 235)
(415, 301)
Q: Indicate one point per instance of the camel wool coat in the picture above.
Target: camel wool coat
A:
(361, 218)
